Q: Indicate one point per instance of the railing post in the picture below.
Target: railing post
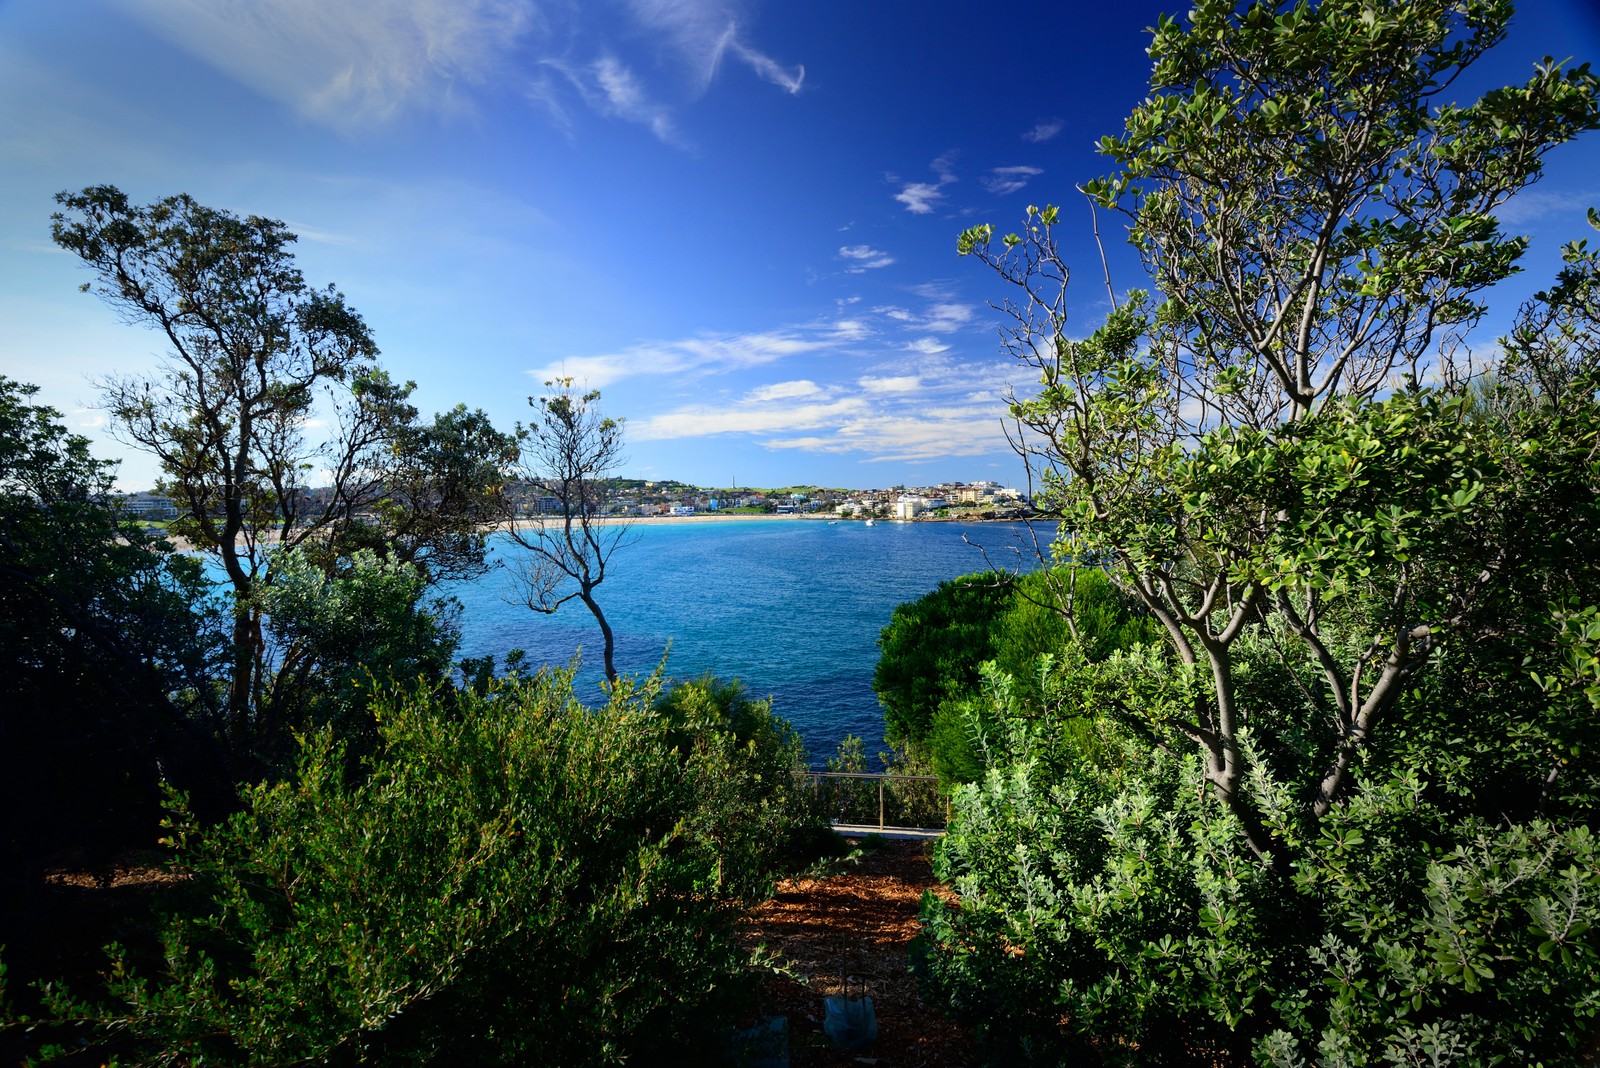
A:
(823, 781)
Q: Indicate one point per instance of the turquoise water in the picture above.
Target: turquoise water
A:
(792, 607)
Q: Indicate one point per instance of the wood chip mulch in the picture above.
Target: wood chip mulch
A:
(859, 921)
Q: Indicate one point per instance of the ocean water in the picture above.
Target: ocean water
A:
(793, 608)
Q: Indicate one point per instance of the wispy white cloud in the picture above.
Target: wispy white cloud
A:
(934, 290)
(864, 258)
(890, 383)
(1536, 204)
(881, 417)
(880, 386)
(785, 390)
(789, 79)
(625, 98)
(348, 65)
(590, 372)
(1003, 180)
(88, 419)
(702, 32)
(756, 417)
(1043, 131)
(351, 65)
(910, 437)
(940, 318)
(325, 237)
(943, 318)
(921, 198)
(706, 354)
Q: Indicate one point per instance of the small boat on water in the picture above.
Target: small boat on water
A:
(869, 522)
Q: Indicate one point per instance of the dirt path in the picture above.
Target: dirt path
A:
(862, 920)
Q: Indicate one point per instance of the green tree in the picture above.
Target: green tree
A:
(569, 452)
(753, 759)
(931, 648)
(337, 635)
(1317, 219)
(254, 354)
(1351, 822)
(444, 491)
(107, 647)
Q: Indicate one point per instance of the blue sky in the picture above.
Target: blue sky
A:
(737, 220)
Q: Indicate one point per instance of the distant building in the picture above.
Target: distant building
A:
(151, 506)
(909, 506)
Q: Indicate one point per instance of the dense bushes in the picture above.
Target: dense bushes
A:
(746, 760)
(1445, 911)
(512, 879)
(932, 650)
(1110, 909)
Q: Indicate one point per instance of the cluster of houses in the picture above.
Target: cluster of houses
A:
(951, 499)
(635, 497)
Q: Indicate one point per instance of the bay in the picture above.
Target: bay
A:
(791, 607)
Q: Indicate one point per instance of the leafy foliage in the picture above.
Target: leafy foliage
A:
(751, 759)
(1111, 911)
(514, 879)
(256, 357)
(933, 648)
(335, 637)
(1194, 447)
(107, 648)
(1344, 813)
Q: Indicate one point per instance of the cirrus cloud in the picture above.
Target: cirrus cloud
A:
(1044, 131)
(1003, 180)
(350, 65)
(920, 198)
(864, 258)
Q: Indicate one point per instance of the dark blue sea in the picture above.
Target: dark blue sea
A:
(791, 607)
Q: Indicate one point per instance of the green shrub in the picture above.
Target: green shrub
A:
(337, 624)
(933, 649)
(515, 879)
(747, 763)
(1110, 910)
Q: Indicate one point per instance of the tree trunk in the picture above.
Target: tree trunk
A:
(609, 645)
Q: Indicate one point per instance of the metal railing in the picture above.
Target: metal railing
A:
(889, 802)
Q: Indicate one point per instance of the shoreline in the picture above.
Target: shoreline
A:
(183, 545)
(813, 517)
(661, 520)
